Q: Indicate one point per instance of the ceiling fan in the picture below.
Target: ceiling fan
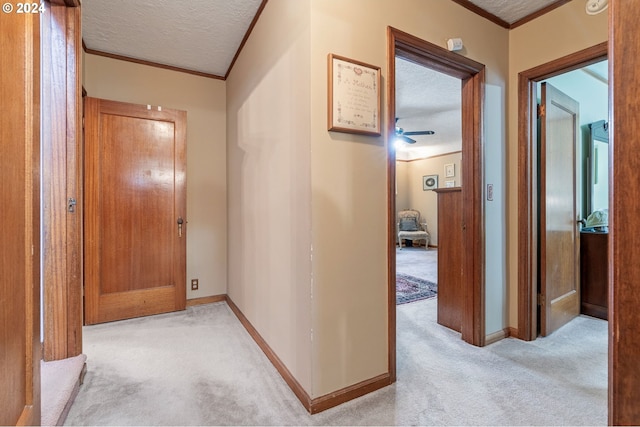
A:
(404, 135)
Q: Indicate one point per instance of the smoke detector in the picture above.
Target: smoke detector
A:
(596, 6)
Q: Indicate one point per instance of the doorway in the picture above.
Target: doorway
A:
(428, 146)
(471, 74)
(528, 198)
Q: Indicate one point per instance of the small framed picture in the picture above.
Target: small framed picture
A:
(429, 182)
(450, 183)
(449, 170)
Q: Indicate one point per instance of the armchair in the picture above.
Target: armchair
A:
(409, 227)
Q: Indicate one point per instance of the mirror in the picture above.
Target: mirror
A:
(598, 197)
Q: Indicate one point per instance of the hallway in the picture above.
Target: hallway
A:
(201, 367)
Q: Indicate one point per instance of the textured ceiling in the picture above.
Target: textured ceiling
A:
(428, 100)
(205, 35)
(512, 10)
(198, 35)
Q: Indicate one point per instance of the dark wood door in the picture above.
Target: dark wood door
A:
(450, 247)
(559, 237)
(19, 229)
(135, 210)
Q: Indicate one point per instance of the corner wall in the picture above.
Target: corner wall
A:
(204, 101)
(349, 177)
(269, 193)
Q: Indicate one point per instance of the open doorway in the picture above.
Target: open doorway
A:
(428, 146)
(536, 310)
(471, 260)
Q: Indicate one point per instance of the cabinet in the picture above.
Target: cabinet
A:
(594, 272)
(450, 298)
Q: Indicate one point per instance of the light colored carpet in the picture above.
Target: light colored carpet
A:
(418, 262)
(200, 367)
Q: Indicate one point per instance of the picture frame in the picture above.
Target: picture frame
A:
(450, 183)
(429, 182)
(353, 96)
(449, 170)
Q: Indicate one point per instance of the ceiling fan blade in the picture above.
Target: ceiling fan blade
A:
(407, 139)
(420, 132)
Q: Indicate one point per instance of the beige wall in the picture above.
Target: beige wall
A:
(413, 195)
(561, 32)
(307, 254)
(270, 277)
(204, 101)
(348, 177)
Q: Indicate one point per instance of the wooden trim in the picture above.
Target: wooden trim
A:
(472, 76)
(180, 69)
(349, 393)
(206, 300)
(479, 11)
(152, 64)
(501, 22)
(319, 404)
(624, 226)
(430, 157)
(246, 37)
(293, 384)
(513, 332)
(527, 187)
(497, 336)
(538, 14)
(391, 205)
(61, 180)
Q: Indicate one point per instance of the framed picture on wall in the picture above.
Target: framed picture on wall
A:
(450, 170)
(354, 96)
(429, 182)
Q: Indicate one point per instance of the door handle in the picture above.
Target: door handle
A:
(180, 222)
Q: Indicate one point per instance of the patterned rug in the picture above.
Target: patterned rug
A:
(409, 289)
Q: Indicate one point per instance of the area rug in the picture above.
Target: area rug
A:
(409, 289)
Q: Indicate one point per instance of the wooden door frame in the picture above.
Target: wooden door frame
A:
(472, 75)
(624, 225)
(527, 184)
(62, 179)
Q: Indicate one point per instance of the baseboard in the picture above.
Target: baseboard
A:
(206, 300)
(293, 384)
(496, 336)
(349, 393)
(313, 406)
(513, 332)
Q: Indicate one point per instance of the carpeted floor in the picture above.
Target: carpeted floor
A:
(418, 262)
(200, 367)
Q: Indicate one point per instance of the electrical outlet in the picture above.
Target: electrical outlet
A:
(194, 284)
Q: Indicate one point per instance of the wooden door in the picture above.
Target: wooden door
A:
(135, 210)
(559, 237)
(20, 349)
(451, 297)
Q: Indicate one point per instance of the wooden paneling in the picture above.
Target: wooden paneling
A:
(624, 213)
(62, 180)
(20, 350)
(451, 297)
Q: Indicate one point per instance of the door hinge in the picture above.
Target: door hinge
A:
(541, 111)
(541, 300)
